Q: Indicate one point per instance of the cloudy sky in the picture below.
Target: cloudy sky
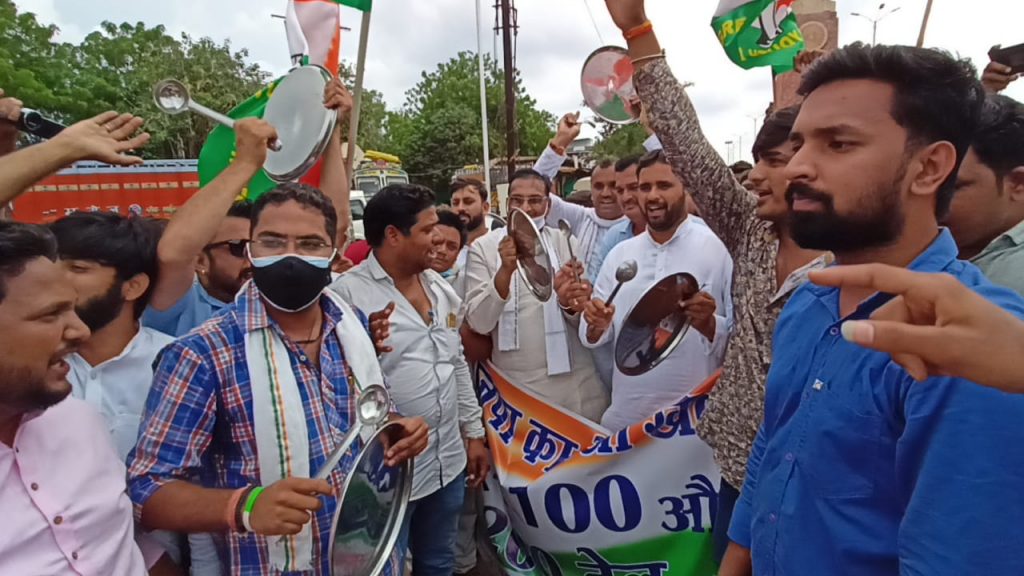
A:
(409, 36)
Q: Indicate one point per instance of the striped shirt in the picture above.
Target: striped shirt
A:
(198, 423)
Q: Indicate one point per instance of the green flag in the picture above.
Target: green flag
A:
(364, 5)
(759, 33)
(219, 149)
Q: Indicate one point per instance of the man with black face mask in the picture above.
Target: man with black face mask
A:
(214, 453)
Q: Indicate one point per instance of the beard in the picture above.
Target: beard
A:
(472, 222)
(224, 283)
(674, 214)
(876, 221)
(22, 389)
(101, 310)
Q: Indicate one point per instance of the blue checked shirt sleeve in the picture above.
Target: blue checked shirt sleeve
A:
(177, 425)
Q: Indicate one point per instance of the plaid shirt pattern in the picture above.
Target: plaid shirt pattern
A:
(198, 423)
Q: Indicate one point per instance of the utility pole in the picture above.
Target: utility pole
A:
(508, 26)
(924, 23)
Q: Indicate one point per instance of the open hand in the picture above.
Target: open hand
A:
(105, 138)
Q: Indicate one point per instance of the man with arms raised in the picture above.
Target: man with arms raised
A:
(212, 444)
(534, 343)
(62, 485)
(202, 252)
(857, 468)
(769, 265)
(674, 242)
(589, 225)
(425, 367)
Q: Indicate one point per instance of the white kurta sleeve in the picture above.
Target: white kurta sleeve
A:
(483, 304)
(602, 289)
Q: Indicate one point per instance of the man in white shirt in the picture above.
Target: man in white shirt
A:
(425, 369)
(673, 243)
(534, 343)
(62, 488)
(448, 257)
(111, 263)
(589, 225)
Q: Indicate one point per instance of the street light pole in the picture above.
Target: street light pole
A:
(878, 17)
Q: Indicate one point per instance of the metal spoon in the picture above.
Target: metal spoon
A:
(624, 273)
(172, 97)
(566, 229)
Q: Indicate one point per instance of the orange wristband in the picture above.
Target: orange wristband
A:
(230, 513)
(557, 149)
(638, 31)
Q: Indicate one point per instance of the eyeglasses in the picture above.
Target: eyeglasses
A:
(277, 246)
(235, 247)
(533, 201)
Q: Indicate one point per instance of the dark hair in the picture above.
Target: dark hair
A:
(603, 163)
(452, 220)
(740, 167)
(935, 96)
(128, 245)
(303, 194)
(459, 184)
(625, 163)
(396, 205)
(20, 244)
(530, 174)
(650, 159)
(999, 139)
(241, 209)
(775, 131)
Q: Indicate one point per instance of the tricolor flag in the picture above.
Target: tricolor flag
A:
(314, 37)
(759, 33)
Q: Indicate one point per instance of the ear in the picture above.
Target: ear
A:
(135, 287)
(202, 264)
(935, 163)
(391, 235)
(1013, 184)
(487, 207)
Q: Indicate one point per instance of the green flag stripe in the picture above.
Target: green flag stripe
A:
(364, 5)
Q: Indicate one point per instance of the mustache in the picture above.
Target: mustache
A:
(805, 191)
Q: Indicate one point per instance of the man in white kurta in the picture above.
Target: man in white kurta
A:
(681, 244)
(535, 344)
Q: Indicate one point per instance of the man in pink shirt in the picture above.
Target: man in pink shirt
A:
(62, 486)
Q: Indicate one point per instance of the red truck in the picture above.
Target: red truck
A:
(155, 189)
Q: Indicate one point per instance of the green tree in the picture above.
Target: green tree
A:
(620, 141)
(439, 129)
(373, 114)
(33, 67)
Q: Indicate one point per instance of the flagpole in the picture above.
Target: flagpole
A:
(483, 95)
(353, 130)
(924, 23)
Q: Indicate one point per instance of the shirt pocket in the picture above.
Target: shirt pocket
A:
(844, 445)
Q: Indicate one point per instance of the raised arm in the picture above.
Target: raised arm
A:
(104, 138)
(334, 181)
(196, 223)
(726, 206)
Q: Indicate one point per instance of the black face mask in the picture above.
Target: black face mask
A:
(291, 283)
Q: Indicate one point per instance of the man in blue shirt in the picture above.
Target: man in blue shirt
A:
(857, 469)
